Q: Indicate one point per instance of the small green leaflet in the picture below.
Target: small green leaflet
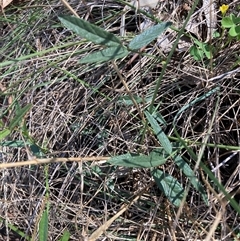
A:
(227, 22)
(234, 31)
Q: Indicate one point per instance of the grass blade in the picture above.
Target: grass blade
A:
(4, 133)
(43, 227)
(17, 231)
(21, 113)
(65, 237)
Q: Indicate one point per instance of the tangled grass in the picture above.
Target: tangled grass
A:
(81, 111)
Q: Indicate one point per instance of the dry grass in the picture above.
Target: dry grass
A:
(77, 112)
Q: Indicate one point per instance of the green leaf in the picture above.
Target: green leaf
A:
(36, 150)
(43, 227)
(65, 237)
(17, 108)
(159, 153)
(227, 22)
(236, 20)
(148, 35)
(105, 55)
(189, 173)
(128, 101)
(159, 118)
(90, 31)
(156, 158)
(171, 188)
(163, 139)
(196, 53)
(216, 34)
(21, 113)
(4, 133)
(15, 144)
(234, 31)
(207, 50)
(199, 43)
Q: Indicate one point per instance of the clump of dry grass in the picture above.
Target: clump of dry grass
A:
(77, 112)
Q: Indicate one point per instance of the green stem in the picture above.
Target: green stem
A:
(159, 81)
(39, 54)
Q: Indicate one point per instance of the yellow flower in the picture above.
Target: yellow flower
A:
(224, 9)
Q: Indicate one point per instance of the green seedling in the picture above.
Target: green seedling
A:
(112, 46)
(112, 49)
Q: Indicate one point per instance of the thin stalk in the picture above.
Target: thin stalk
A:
(159, 81)
(39, 54)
